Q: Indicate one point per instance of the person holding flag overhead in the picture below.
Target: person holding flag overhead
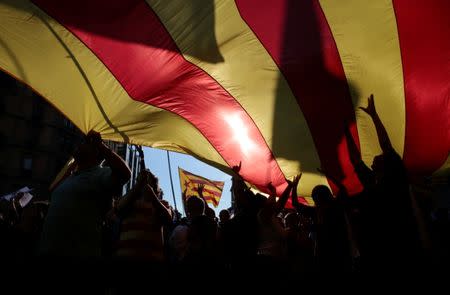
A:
(72, 228)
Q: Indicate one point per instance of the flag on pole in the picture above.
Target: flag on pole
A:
(213, 189)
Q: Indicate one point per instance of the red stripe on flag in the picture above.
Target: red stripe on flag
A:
(215, 202)
(131, 41)
(212, 192)
(199, 181)
(211, 198)
(424, 34)
(297, 36)
(205, 190)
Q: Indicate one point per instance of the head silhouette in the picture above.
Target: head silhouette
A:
(87, 153)
(322, 196)
(224, 215)
(195, 207)
(153, 181)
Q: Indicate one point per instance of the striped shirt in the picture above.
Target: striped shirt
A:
(141, 234)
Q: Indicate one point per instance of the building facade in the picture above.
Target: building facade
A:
(36, 140)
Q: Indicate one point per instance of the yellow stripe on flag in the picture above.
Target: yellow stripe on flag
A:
(370, 52)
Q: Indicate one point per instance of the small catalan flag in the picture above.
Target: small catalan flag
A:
(211, 192)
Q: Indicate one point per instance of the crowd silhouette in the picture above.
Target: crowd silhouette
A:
(86, 224)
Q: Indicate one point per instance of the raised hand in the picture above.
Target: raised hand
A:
(200, 189)
(383, 137)
(283, 198)
(237, 168)
(296, 180)
(370, 109)
(294, 195)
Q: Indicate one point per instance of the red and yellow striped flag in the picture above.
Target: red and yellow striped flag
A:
(211, 192)
(274, 84)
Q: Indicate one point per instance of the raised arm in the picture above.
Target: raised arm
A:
(200, 189)
(383, 137)
(120, 170)
(283, 198)
(294, 195)
(238, 184)
(365, 175)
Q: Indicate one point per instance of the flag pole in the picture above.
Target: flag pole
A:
(141, 157)
(171, 181)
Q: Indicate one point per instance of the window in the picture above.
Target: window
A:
(27, 165)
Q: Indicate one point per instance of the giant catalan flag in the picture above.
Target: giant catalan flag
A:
(212, 190)
(269, 83)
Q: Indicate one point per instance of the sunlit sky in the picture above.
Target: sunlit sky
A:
(156, 161)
